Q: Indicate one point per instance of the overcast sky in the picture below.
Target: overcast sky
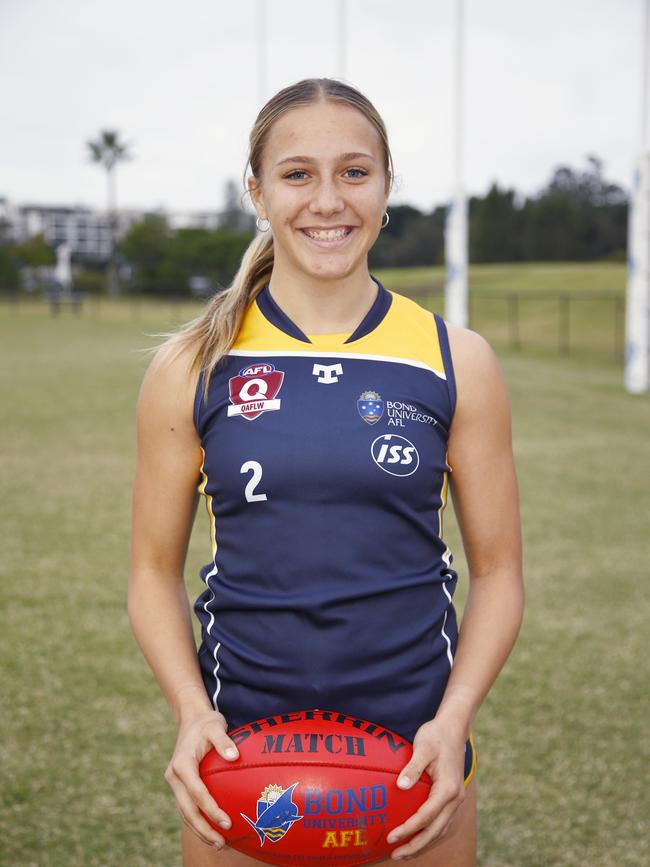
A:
(547, 82)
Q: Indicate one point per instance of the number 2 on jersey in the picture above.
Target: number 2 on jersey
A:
(254, 480)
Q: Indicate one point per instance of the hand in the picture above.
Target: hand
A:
(196, 737)
(440, 751)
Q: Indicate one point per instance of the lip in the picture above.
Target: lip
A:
(326, 228)
(328, 245)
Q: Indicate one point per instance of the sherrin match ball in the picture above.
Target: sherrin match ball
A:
(314, 786)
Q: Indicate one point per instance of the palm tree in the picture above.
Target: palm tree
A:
(108, 150)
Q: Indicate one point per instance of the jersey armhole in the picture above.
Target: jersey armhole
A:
(443, 338)
(198, 402)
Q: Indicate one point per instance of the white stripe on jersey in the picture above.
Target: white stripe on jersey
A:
(449, 656)
(329, 354)
(209, 627)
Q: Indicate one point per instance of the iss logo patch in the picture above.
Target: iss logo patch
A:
(370, 406)
(276, 813)
(254, 390)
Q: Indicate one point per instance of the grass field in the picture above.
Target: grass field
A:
(569, 308)
(572, 308)
(561, 738)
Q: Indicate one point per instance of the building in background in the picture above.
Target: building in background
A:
(87, 231)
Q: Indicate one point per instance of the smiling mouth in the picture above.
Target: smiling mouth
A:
(328, 236)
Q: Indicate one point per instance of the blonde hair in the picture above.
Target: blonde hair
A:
(213, 332)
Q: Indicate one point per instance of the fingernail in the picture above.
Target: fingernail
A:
(404, 782)
(393, 838)
(231, 753)
(224, 823)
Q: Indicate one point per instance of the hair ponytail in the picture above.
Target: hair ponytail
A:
(215, 330)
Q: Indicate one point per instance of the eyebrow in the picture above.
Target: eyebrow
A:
(302, 159)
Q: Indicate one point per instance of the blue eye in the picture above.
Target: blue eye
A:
(300, 174)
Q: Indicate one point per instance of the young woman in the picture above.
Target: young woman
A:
(323, 418)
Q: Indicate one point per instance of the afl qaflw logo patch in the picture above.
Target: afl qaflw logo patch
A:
(254, 390)
(370, 406)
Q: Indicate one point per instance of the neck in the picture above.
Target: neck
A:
(321, 306)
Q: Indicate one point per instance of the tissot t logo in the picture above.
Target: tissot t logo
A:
(327, 373)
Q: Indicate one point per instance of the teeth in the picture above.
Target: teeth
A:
(329, 235)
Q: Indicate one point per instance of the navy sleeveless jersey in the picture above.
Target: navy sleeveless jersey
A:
(325, 476)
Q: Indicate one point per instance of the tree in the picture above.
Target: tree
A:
(164, 261)
(197, 252)
(107, 150)
(9, 276)
(5, 231)
(495, 227)
(578, 216)
(410, 238)
(144, 246)
(35, 252)
(590, 187)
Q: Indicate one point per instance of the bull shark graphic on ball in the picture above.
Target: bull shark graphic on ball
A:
(276, 813)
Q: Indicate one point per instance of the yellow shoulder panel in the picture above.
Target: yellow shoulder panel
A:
(407, 331)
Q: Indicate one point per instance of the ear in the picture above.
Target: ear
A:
(257, 198)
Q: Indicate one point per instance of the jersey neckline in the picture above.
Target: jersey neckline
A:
(271, 310)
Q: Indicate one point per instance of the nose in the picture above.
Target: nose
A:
(326, 198)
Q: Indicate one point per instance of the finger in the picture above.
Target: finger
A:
(440, 796)
(215, 844)
(224, 745)
(416, 766)
(420, 843)
(194, 820)
(422, 817)
(430, 834)
(198, 792)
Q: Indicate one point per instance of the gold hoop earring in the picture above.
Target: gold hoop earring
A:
(266, 228)
(383, 225)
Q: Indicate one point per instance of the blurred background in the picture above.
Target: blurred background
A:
(519, 135)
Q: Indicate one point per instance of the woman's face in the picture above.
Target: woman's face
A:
(323, 188)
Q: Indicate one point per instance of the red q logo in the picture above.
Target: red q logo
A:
(254, 390)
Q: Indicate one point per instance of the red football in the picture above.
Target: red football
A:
(313, 786)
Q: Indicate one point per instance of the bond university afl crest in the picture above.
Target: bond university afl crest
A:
(254, 390)
(370, 406)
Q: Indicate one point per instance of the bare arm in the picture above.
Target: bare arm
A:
(484, 489)
(486, 502)
(165, 498)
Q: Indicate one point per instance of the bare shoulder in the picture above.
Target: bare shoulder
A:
(480, 384)
(168, 462)
(169, 385)
(468, 348)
